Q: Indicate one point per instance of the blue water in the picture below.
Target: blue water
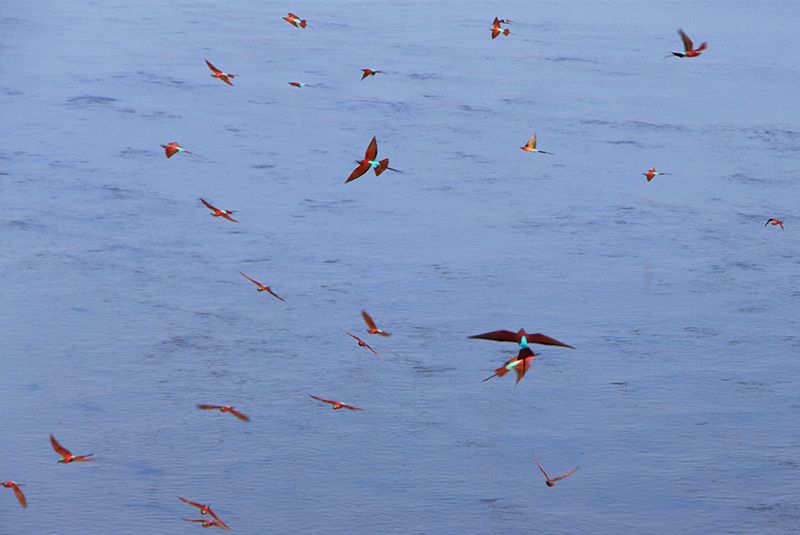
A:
(123, 307)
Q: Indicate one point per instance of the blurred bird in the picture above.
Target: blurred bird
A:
(369, 162)
(66, 456)
(688, 48)
(652, 173)
(371, 324)
(370, 72)
(173, 148)
(551, 482)
(295, 21)
(362, 343)
(336, 404)
(530, 146)
(774, 222)
(20, 496)
(204, 509)
(496, 30)
(262, 288)
(221, 75)
(219, 213)
(224, 408)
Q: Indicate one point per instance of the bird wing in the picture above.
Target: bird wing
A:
(210, 66)
(209, 407)
(539, 338)
(372, 150)
(21, 497)
(702, 47)
(323, 400)
(212, 208)
(191, 502)
(368, 319)
(540, 467)
(687, 43)
(367, 72)
(354, 336)
(531, 142)
(225, 79)
(358, 171)
(228, 217)
(170, 149)
(497, 336)
(61, 450)
(351, 408)
(370, 348)
(251, 280)
(241, 417)
(565, 475)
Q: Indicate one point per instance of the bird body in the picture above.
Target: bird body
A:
(219, 213)
(66, 455)
(295, 21)
(221, 75)
(774, 222)
(688, 47)
(370, 162)
(174, 148)
(369, 72)
(336, 404)
(530, 146)
(371, 324)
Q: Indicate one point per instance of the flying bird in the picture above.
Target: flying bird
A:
(551, 482)
(21, 497)
(208, 523)
(369, 162)
(520, 364)
(204, 510)
(505, 21)
(66, 456)
(521, 337)
(530, 146)
(295, 21)
(362, 343)
(219, 213)
(173, 148)
(262, 288)
(371, 324)
(219, 74)
(774, 222)
(496, 30)
(224, 408)
(337, 404)
(370, 72)
(298, 84)
(688, 47)
(652, 173)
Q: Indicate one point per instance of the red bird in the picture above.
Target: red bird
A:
(173, 148)
(66, 456)
(219, 213)
(652, 173)
(224, 408)
(298, 84)
(774, 222)
(20, 496)
(362, 343)
(371, 324)
(530, 146)
(262, 288)
(219, 74)
(205, 510)
(369, 162)
(208, 523)
(521, 337)
(520, 364)
(496, 29)
(551, 482)
(337, 404)
(370, 72)
(295, 21)
(688, 48)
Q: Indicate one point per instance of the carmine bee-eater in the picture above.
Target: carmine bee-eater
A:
(208, 523)
(204, 510)
(496, 30)
(20, 496)
(369, 72)
(550, 482)
(652, 173)
(224, 408)
(221, 75)
(371, 324)
(520, 364)
(336, 404)
(173, 148)
(298, 84)
(362, 343)
(262, 288)
(530, 146)
(369, 162)
(520, 337)
(774, 222)
(66, 456)
(219, 213)
(295, 21)
(688, 48)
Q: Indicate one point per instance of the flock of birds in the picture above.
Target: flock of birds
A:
(520, 363)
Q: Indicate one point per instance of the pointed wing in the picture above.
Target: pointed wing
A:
(372, 150)
(495, 32)
(544, 340)
(531, 142)
(228, 217)
(241, 417)
(358, 171)
(565, 475)
(323, 400)
(191, 502)
(370, 348)
(21, 497)
(208, 407)
(496, 23)
(497, 336)
(274, 294)
(367, 72)
(190, 520)
(212, 208)
(540, 467)
(351, 408)
(702, 47)
(368, 319)
(210, 66)
(251, 280)
(354, 336)
(687, 43)
(170, 149)
(64, 452)
(225, 79)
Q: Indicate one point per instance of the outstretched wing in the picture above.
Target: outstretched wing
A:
(191, 503)
(210, 66)
(565, 475)
(372, 150)
(209, 407)
(241, 417)
(212, 208)
(323, 400)
(21, 497)
(497, 336)
(687, 43)
(368, 320)
(540, 467)
(358, 171)
(64, 452)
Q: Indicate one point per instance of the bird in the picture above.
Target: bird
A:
(496, 29)
(370, 72)
(21, 497)
(204, 509)
(173, 148)
(219, 74)
(295, 21)
(262, 288)
(520, 364)
(688, 48)
(371, 324)
(219, 213)
(362, 343)
(369, 162)
(298, 84)
(774, 222)
(208, 523)
(530, 146)
(520, 337)
(652, 173)
(337, 404)
(224, 408)
(66, 456)
(551, 482)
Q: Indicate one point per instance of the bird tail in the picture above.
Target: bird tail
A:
(702, 47)
(383, 165)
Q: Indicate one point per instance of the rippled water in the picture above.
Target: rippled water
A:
(123, 306)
